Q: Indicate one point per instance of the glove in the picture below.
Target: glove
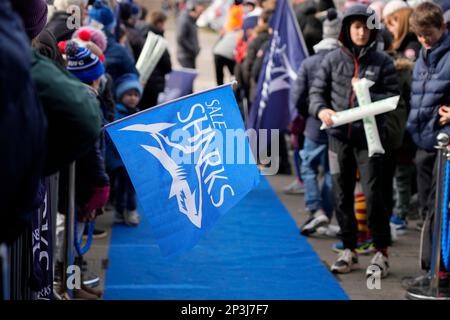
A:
(99, 198)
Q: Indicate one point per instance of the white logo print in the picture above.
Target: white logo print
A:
(201, 142)
(186, 198)
(282, 74)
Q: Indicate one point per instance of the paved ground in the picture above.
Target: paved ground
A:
(403, 256)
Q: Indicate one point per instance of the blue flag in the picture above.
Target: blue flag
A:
(189, 161)
(271, 106)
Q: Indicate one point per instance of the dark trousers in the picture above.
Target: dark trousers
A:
(220, 62)
(125, 194)
(426, 180)
(344, 159)
(187, 62)
(389, 165)
(426, 189)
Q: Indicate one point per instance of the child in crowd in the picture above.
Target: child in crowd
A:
(318, 199)
(92, 182)
(128, 94)
(404, 48)
(332, 91)
(430, 111)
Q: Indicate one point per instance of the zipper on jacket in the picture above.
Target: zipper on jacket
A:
(424, 82)
(352, 95)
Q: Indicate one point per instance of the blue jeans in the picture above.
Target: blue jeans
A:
(314, 155)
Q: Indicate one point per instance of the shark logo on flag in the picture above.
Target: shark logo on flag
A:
(271, 107)
(278, 73)
(180, 188)
(176, 155)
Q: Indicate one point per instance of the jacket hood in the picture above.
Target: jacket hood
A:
(403, 64)
(326, 44)
(356, 11)
(121, 108)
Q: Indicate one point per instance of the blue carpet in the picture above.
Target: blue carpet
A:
(253, 252)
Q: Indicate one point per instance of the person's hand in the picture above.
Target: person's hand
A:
(98, 199)
(444, 112)
(325, 116)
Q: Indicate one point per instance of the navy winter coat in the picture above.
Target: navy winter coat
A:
(23, 129)
(430, 89)
(113, 159)
(117, 59)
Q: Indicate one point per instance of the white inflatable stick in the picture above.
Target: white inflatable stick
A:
(152, 52)
(366, 111)
(362, 92)
(358, 113)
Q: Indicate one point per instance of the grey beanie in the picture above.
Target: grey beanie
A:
(332, 25)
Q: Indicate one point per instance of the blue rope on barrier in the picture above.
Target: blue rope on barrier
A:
(445, 247)
(82, 250)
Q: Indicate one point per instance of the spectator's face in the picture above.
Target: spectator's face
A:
(392, 25)
(249, 7)
(161, 26)
(429, 37)
(131, 99)
(359, 33)
(199, 10)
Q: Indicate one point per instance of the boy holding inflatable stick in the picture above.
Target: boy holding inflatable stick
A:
(331, 92)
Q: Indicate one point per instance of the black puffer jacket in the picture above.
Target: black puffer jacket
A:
(310, 26)
(332, 87)
(58, 26)
(409, 47)
(157, 81)
(48, 47)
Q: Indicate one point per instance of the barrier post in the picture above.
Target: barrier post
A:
(5, 273)
(443, 141)
(69, 230)
(430, 290)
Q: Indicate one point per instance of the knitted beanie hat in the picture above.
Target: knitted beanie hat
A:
(95, 35)
(33, 14)
(393, 6)
(82, 63)
(84, 39)
(332, 25)
(103, 14)
(63, 5)
(127, 82)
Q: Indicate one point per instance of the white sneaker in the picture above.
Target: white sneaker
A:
(317, 220)
(296, 187)
(346, 262)
(330, 231)
(379, 265)
(394, 232)
(132, 218)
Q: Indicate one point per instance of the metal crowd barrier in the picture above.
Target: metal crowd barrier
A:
(69, 228)
(429, 288)
(16, 260)
(20, 266)
(4, 273)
